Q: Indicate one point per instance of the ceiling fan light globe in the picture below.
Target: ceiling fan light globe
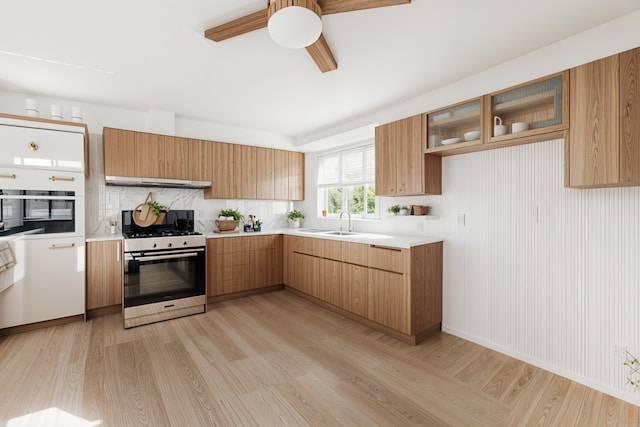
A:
(294, 27)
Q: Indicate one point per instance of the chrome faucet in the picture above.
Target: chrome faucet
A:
(350, 228)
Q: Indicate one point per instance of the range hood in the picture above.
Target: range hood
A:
(130, 181)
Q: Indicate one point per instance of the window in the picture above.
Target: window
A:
(346, 182)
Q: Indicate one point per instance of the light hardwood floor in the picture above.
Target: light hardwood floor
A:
(276, 359)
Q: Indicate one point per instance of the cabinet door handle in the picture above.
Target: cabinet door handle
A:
(12, 176)
(67, 246)
(386, 248)
(118, 251)
(57, 178)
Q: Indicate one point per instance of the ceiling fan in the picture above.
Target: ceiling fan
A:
(297, 24)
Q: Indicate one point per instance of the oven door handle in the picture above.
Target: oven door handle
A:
(160, 257)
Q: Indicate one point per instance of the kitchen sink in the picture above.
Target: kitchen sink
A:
(340, 233)
(327, 232)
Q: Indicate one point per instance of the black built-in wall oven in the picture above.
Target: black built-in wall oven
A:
(164, 269)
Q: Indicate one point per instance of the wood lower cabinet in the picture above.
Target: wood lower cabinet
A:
(355, 289)
(104, 276)
(603, 149)
(396, 290)
(242, 264)
(388, 298)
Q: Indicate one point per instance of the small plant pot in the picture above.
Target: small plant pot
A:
(160, 218)
(257, 228)
(403, 212)
(295, 223)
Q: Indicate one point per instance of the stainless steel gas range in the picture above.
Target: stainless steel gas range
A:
(164, 269)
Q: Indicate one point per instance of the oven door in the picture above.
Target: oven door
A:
(156, 276)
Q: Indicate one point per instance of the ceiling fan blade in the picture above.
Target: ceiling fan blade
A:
(322, 56)
(239, 26)
(338, 6)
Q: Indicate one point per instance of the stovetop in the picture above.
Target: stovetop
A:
(175, 232)
(159, 233)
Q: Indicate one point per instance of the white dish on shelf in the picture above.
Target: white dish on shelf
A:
(451, 141)
(472, 136)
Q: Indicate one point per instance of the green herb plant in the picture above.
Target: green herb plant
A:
(157, 208)
(235, 213)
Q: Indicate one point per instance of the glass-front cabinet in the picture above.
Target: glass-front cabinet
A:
(529, 109)
(455, 126)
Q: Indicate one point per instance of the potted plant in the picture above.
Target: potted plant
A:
(158, 210)
(235, 213)
(257, 225)
(395, 209)
(294, 218)
(229, 225)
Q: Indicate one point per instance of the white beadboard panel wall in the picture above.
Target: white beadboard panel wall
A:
(545, 273)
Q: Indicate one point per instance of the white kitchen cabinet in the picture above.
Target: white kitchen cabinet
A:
(48, 280)
(42, 148)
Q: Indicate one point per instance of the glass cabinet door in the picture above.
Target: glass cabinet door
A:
(533, 108)
(454, 125)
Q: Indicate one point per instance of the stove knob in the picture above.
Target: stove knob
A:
(155, 244)
(169, 245)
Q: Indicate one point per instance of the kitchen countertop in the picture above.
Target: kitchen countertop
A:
(100, 237)
(382, 239)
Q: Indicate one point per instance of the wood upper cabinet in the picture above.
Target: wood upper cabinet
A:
(604, 145)
(296, 175)
(244, 180)
(402, 168)
(119, 152)
(176, 158)
(630, 117)
(280, 175)
(149, 155)
(200, 160)
(265, 173)
(236, 171)
(104, 274)
(222, 171)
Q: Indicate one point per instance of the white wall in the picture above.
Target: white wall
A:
(544, 273)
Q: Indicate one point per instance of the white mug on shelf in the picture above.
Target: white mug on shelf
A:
(498, 128)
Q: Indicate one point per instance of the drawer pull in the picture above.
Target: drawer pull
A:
(57, 178)
(12, 176)
(70, 245)
(169, 306)
(33, 146)
(386, 248)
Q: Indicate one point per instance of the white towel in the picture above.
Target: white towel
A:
(6, 257)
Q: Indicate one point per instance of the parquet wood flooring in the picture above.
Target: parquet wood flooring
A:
(275, 360)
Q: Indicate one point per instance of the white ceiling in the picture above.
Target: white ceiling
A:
(151, 54)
